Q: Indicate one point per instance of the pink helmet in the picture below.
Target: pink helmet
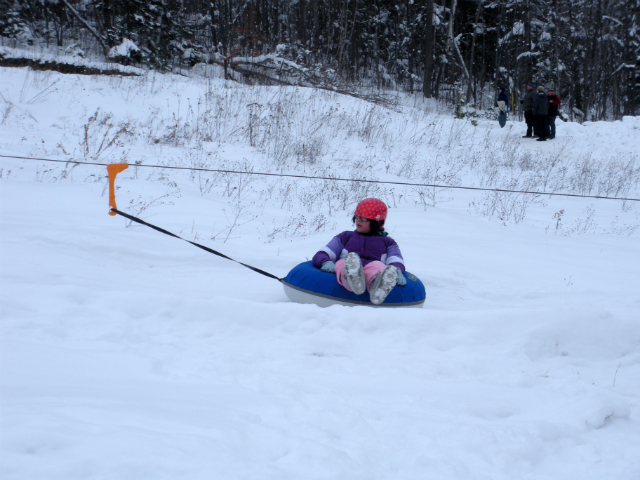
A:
(371, 208)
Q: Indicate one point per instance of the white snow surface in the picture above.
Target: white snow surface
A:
(129, 354)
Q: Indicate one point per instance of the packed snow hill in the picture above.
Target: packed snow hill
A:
(129, 354)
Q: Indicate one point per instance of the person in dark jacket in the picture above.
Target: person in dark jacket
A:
(502, 102)
(527, 106)
(554, 102)
(541, 114)
(367, 258)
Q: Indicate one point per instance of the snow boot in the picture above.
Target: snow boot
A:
(353, 273)
(383, 284)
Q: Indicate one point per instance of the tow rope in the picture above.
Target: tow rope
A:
(206, 249)
(113, 170)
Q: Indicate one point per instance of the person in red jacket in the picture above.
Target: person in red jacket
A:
(554, 102)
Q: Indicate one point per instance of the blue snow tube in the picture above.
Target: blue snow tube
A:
(307, 284)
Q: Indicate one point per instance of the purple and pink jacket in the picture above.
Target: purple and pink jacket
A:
(369, 248)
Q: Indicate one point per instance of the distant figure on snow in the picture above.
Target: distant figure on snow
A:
(554, 102)
(503, 100)
(367, 258)
(503, 105)
(527, 106)
(541, 115)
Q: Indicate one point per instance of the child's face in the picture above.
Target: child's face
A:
(363, 225)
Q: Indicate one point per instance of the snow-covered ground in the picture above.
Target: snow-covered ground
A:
(125, 353)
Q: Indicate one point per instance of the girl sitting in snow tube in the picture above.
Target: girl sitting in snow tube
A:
(367, 265)
(367, 259)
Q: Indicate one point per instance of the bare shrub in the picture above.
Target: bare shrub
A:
(298, 225)
(507, 207)
(102, 135)
(237, 215)
(140, 205)
(583, 178)
(235, 184)
(627, 229)
(619, 176)
(584, 224)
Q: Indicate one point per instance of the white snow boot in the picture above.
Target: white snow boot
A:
(383, 284)
(353, 273)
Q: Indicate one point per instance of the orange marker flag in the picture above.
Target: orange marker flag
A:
(113, 170)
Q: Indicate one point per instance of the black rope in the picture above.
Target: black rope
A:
(337, 179)
(207, 249)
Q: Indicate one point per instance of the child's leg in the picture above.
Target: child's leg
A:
(350, 274)
(383, 284)
(340, 272)
(371, 271)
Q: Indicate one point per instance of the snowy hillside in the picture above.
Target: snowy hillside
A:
(128, 354)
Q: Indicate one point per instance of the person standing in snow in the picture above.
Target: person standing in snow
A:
(554, 102)
(540, 114)
(503, 100)
(367, 258)
(527, 106)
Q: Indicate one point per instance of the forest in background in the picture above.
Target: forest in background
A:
(588, 51)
